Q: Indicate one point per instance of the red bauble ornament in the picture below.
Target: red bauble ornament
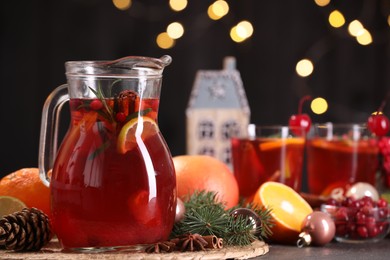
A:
(180, 210)
(318, 228)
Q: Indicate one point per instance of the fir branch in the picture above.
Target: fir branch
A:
(240, 231)
(265, 218)
(205, 216)
(204, 220)
(203, 198)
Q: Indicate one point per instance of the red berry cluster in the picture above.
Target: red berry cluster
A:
(359, 219)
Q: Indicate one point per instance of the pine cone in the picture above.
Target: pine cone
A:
(25, 230)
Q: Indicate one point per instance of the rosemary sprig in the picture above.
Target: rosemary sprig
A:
(99, 94)
(100, 149)
(138, 113)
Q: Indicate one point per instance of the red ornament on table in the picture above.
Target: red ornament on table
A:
(318, 228)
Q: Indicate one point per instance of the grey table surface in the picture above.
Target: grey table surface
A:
(334, 250)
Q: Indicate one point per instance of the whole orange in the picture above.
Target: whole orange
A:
(26, 185)
(205, 173)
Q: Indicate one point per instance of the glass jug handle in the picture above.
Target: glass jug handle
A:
(49, 130)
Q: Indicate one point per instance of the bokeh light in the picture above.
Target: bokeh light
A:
(164, 41)
(336, 19)
(388, 19)
(178, 5)
(244, 29)
(234, 35)
(364, 38)
(322, 2)
(319, 105)
(218, 9)
(355, 28)
(304, 67)
(122, 4)
(175, 30)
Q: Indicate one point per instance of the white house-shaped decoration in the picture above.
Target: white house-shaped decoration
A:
(218, 109)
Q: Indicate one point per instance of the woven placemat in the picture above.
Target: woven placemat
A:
(53, 251)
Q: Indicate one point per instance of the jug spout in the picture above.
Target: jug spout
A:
(134, 62)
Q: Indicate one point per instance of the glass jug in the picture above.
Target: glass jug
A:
(112, 180)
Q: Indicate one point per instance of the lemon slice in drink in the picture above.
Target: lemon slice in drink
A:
(139, 127)
(9, 205)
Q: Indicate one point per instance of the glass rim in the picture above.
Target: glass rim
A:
(272, 127)
(130, 66)
(340, 125)
(263, 131)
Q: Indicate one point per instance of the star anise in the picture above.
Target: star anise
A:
(192, 242)
(160, 247)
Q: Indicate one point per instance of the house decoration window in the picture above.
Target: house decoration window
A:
(227, 155)
(206, 129)
(207, 151)
(229, 129)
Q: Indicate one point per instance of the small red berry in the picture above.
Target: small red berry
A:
(301, 120)
(362, 231)
(382, 203)
(96, 104)
(378, 124)
(341, 214)
(373, 231)
(341, 229)
(120, 117)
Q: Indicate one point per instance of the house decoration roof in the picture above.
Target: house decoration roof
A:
(217, 110)
(219, 89)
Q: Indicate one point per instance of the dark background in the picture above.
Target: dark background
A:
(37, 37)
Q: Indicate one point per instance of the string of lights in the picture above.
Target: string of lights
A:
(336, 19)
(244, 29)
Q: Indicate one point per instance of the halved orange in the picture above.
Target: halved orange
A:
(9, 205)
(279, 142)
(288, 210)
(134, 130)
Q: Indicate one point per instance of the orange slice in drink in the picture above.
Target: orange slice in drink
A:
(279, 142)
(346, 146)
(288, 210)
(136, 129)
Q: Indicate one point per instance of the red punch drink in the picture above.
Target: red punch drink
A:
(112, 181)
(335, 164)
(260, 159)
(338, 159)
(102, 196)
